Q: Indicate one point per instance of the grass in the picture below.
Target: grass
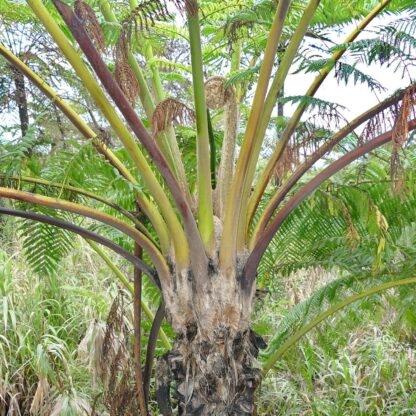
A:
(52, 335)
(360, 363)
(43, 320)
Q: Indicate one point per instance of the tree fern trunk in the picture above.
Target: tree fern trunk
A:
(210, 377)
(211, 369)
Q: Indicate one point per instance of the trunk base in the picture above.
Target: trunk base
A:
(215, 377)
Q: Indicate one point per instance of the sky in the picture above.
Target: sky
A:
(356, 98)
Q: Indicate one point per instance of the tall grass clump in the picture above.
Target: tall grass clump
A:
(43, 321)
(360, 362)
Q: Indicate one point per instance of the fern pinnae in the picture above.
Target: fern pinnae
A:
(45, 246)
(344, 71)
(170, 112)
(145, 15)
(123, 72)
(13, 156)
(87, 16)
(243, 75)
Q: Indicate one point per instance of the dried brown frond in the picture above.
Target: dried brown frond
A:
(123, 45)
(122, 401)
(290, 158)
(171, 112)
(120, 394)
(307, 139)
(127, 80)
(300, 147)
(375, 126)
(186, 6)
(123, 73)
(397, 172)
(327, 119)
(401, 130)
(115, 323)
(400, 135)
(115, 365)
(389, 118)
(87, 16)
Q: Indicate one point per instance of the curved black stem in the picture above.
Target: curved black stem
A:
(151, 347)
(137, 322)
(85, 234)
(212, 150)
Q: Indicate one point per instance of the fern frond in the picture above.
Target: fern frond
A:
(45, 246)
(243, 75)
(317, 233)
(14, 155)
(344, 71)
(312, 103)
(170, 112)
(377, 50)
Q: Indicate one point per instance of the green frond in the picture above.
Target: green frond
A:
(378, 50)
(303, 312)
(214, 10)
(243, 75)
(15, 11)
(14, 155)
(356, 204)
(344, 71)
(343, 12)
(277, 348)
(171, 32)
(111, 32)
(312, 103)
(45, 246)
